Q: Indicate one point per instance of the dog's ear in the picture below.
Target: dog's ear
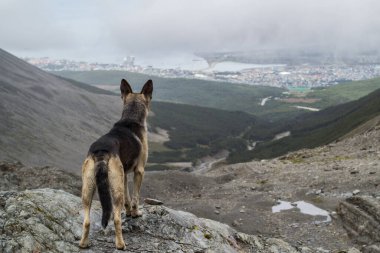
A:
(125, 88)
(147, 90)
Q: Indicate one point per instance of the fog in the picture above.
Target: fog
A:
(109, 30)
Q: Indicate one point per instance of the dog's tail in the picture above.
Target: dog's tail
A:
(101, 168)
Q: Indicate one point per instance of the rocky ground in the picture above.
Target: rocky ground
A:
(46, 220)
(243, 195)
(17, 177)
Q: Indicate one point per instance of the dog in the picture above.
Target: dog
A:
(122, 150)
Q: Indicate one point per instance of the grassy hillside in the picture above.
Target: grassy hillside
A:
(315, 129)
(343, 92)
(194, 131)
(198, 131)
(236, 97)
(220, 95)
(192, 138)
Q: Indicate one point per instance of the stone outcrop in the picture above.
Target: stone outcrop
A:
(361, 218)
(47, 220)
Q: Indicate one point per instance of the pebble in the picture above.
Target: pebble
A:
(356, 192)
(218, 207)
(353, 172)
(216, 212)
(319, 191)
(153, 201)
(242, 211)
(353, 250)
(306, 250)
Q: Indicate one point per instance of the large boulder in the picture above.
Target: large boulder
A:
(47, 220)
(361, 218)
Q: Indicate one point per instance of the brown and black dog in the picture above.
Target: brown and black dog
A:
(124, 149)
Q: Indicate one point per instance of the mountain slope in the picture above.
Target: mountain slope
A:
(47, 120)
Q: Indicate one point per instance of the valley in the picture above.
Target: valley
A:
(244, 195)
(216, 158)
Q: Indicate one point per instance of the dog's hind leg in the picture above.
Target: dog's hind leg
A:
(116, 179)
(137, 181)
(88, 188)
(127, 198)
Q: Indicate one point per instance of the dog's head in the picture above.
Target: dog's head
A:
(136, 105)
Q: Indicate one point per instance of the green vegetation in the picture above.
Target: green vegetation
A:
(227, 96)
(198, 131)
(220, 95)
(315, 129)
(344, 92)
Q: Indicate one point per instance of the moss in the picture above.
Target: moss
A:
(195, 227)
(341, 158)
(297, 159)
(207, 235)
(317, 200)
(263, 181)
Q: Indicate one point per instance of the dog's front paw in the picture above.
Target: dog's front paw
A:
(84, 244)
(121, 246)
(127, 211)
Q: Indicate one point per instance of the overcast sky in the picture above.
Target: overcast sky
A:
(106, 31)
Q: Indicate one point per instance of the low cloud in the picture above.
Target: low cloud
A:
(90, 29)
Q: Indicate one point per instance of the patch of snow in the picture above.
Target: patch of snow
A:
(281, 135)
(307, 108)
(304, 207)
(264, 100)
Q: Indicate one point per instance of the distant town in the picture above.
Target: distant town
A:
(278, 75)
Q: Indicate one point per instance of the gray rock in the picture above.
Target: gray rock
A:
(153, 201)
(353, 250)
(46, 220)
(361, 218)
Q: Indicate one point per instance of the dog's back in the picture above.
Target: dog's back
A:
(123, 140)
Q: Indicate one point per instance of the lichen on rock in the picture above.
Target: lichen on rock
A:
(47, 220)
